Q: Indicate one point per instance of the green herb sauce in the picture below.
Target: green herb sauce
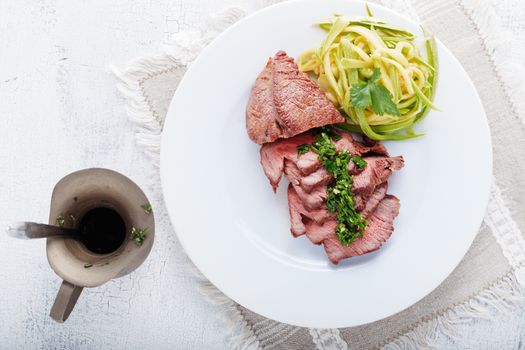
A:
(340, 197)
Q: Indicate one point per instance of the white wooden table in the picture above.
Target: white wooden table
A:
(60, 112)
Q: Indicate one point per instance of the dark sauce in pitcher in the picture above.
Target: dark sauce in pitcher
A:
(102, 230)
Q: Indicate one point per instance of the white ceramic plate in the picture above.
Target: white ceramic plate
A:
(237, 231)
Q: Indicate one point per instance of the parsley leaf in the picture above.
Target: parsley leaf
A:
(302, 149)
(360, 95)
(371, 93)
(375, 75)
(138, 235)
(382, 100)
(88, 265)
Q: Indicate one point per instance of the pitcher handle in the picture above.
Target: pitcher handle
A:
(65, 301)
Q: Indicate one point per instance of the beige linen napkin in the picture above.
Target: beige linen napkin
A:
(492, 272)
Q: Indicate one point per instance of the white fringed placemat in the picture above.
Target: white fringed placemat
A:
(491, 276)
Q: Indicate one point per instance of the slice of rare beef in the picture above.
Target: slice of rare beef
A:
(299, 215)
(322, 177)
(372, 201)
(377, 171)
(379, 229)
(317, 231)
(285, 102)
(274, 154)
(313, 196)
(262, 120)
(299, 101)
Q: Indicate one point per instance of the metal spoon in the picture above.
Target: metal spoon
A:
(30, 230)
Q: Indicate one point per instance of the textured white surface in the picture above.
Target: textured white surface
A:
(60, 112)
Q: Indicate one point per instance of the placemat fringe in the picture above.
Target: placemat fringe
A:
(129, 83)
(498, 45)
(503, 295)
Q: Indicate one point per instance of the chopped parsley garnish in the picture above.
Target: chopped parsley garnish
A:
(147, 208)
(340, 197)
(328, 130)
(88, 265)
(360, 162)
(302, 149)
(72, 218)
(60, 221)
(138, 235)
(371, 93)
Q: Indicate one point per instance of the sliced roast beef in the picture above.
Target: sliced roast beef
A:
(314, 199)
(295, 208)
(377, 171)
(310, 162)
(293, 174)
(306, 163)
(307, 191)
(319, 230)
(349, 144)
(360, 201)
(274, 154)
(299, 214)
(379, 229)
(372, 201)
(321, 177)
(299, 101)
(285, 102)
(261, 116)
(304, 220)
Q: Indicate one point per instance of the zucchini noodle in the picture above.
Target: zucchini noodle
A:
(356, 47)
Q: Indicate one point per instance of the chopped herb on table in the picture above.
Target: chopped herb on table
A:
(60, 221)
(88, 265)
(147, 208)
(138, 235)
(340, 197)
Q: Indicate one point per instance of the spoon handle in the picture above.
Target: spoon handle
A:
(30, 230)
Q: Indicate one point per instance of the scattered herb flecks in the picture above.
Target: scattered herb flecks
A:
(138, 235)
(360, 162)
(371, 93)
(60, 221)
(72, 218)
(328, 130)
(88, 265)
(340, 197)
(147, 208)
(302, 149)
